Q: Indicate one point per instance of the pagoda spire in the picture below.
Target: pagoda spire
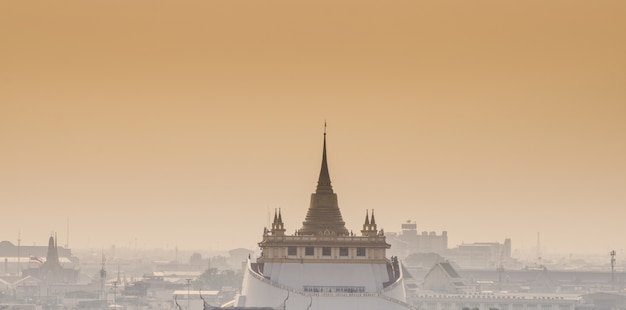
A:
(278, 228)
(373, 226)
(366, 226)
(324, 214)
(323, 183)
(52, 257)
(373, 221)
(369, 227)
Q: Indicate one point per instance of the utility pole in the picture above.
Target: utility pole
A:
(115, 294)
(103, 275)
(188, 288)
(117, 281)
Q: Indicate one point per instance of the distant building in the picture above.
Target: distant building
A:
(606, 300)
(466, 255)
(238, 257)
(51, 271)
(482, 254)
(445, 288)
(500, 301)
(409, 241)
(15, 258)
(44, 279)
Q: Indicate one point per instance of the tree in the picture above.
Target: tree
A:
(214, 279)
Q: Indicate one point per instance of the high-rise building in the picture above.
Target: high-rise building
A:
(409, 241)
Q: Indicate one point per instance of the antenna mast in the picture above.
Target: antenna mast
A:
(67, 235)
(612, 269)
(103, 275)
(539, 248)
(19, 243)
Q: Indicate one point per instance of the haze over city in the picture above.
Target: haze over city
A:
(184, 124)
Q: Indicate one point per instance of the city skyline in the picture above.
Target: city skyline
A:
(183, 124)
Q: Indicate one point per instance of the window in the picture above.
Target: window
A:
(360, 251)
(325, 251)
(292, 250)
(308, 251)
(343, 251)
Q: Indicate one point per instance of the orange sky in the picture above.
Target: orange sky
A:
(178, 123)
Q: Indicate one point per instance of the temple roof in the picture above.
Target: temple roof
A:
(324, 214)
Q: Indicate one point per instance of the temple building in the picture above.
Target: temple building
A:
(51, 270)
(15, 258)
(323, 265)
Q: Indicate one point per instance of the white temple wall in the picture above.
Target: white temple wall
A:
(298, 276)
(259, 293)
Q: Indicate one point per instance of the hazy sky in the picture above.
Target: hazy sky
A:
(178, 123)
